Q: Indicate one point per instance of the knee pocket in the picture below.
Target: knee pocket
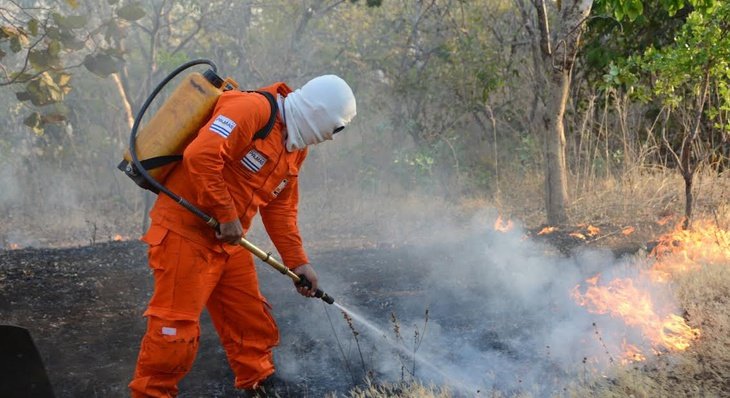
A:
(169, 346)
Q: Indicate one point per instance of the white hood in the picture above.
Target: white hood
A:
(313, 112)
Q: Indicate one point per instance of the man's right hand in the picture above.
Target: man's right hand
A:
(230, 232)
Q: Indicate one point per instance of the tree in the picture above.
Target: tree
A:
(49, 40)
(554, 55)
(689, 79)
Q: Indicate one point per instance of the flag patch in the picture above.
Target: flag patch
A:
(169, 331)
(254, 160)
(223, 126)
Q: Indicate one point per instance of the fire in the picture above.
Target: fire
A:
(547, 230)
(593, 231)
(623, 299)
(118, 237)
(683, 251)
(14, 246)
(502, 226)
(578, 235)
(631, 354)
(628, 231)
(630, 299)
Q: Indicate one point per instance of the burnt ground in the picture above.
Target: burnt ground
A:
(83, 307)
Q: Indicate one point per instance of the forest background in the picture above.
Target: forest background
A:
(601, 110)
(554, 113)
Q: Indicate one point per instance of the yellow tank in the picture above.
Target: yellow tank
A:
(176, 123)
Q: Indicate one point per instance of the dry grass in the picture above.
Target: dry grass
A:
(642, 193)
(641, 198)
(413, 390)
(701, 371)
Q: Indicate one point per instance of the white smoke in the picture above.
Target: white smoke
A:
(501, 316)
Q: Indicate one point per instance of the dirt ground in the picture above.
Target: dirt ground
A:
(84, 308)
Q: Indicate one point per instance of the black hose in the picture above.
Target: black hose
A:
(133, 143)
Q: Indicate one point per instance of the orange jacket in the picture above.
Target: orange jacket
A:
(228, 175)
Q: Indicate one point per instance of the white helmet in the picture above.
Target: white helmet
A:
(318, 110)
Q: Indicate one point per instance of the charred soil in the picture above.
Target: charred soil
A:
(84, 306)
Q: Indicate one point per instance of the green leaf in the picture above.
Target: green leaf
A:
(72, 43)
(53, 118)
(69, 22)
(41, 59)
(53, 33)
(33, 26)
(634, 8)
(22, 96)
(54, 48)
(131, 12)
(33, 120)
(100, 64)
(618, 12)
(43, 91)
(17, 42)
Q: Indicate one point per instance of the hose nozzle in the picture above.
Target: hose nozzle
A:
(303, 281)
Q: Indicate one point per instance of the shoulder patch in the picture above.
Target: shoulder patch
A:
(223, 126)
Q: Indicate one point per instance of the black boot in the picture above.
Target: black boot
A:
(258, 392)
(264, 389)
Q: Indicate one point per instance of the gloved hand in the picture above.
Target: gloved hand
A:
(307, 271)
(230, 232)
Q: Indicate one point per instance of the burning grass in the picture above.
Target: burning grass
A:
(703, 368)
(678, 349)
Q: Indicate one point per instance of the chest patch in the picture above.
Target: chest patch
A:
(280, 187)
(223, 126)
(254, 160)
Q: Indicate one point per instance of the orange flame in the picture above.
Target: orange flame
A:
(14, 246)
(682, 251)
(629, 299)
(623, 299)
(578, 235)
(631, 354)
(502, 226)
(593, 231)
(547, 230)
(118, 237)
(628, 230)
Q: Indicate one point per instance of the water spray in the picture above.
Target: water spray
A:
(451, 379)
(135, 169)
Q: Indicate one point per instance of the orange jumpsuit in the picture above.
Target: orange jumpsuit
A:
(228, 175)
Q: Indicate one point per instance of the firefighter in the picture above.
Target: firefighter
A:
(232, 175)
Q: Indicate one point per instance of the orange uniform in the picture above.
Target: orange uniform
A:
(228, 175)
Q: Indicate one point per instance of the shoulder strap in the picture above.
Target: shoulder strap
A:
(264, 132)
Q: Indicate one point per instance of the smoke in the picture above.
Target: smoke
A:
(500, 315)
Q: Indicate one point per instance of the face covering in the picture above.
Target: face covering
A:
(313, 112)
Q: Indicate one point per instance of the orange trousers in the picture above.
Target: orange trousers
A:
(190, 277)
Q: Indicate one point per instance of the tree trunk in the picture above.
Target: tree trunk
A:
(556, 172)
(558, 56)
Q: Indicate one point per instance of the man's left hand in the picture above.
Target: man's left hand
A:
(307, 271)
